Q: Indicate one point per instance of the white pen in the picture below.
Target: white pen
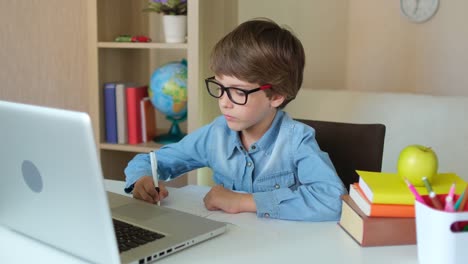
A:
(154, 169)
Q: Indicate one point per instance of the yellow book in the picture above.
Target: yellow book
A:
(390, 188)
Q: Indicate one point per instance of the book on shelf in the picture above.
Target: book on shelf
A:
(134, 94)
(390, 188)
(121, 109)
(110, 113)
(375, 231)
(148, 119)
(379, 210)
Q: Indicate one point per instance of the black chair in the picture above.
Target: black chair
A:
(351, 147)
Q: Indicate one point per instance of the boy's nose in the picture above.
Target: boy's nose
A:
(224, 101)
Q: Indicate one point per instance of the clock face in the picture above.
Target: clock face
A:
(419, 10)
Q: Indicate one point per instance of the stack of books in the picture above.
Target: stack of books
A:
(130, 117)
(379, 210)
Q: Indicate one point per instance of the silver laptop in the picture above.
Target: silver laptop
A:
(52, 190)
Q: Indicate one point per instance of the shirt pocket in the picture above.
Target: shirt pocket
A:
(226, 182)
(284, 179)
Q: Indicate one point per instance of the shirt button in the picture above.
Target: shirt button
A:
(249, 164)
(277, 186)
(266, 215)
(254, 147)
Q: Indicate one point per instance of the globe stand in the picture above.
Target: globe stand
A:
(174, 134)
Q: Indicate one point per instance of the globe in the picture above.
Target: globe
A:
(168, 94)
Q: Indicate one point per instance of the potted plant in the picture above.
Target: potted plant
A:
(174, 18)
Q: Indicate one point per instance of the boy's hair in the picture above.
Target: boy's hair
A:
(260, 51)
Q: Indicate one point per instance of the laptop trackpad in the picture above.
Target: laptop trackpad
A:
(138, 211)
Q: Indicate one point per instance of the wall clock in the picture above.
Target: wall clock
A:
(419, 11)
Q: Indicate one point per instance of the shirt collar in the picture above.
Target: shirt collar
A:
(233, 143)
(269, 138)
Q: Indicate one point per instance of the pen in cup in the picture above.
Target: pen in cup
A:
(457, 204)
(154, 170)
(432, 195)
(427, 184)
(449, 199)
(435, 201)
(415, 193)
(460, 204)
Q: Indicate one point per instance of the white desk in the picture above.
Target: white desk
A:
(248, 240)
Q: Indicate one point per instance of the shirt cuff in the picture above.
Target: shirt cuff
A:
(267, 203)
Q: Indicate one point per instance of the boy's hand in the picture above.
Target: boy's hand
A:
(219, 198)
(144, 190)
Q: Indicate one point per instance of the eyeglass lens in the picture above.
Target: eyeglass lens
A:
(236, 95)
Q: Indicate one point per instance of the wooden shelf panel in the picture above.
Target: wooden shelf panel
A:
(135, 62)
(139, 148)
(134, 45)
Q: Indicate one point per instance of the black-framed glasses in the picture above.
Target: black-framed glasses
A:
(236, 95)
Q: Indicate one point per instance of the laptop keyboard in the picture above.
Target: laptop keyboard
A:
(130, 236)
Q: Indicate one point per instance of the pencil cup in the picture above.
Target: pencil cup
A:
(442, 237)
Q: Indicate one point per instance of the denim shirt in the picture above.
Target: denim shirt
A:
(287, 173)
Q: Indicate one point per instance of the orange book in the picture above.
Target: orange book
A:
(148, 120)
(379, 210)
(375, 231)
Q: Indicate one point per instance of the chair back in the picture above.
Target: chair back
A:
(350, 146)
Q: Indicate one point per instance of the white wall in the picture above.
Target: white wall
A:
(386, 52)
(321, 25)
(368, 45)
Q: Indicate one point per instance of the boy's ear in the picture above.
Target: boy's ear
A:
(276, 100)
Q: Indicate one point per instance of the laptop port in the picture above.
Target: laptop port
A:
(169, 251)
(179, 246)
(141, 261)
(148, 259)
(162, 254)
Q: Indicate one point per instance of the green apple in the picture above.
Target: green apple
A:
(415, 162)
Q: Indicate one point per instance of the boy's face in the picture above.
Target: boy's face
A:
(256, 114)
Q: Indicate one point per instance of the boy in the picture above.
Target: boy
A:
(254, 146)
